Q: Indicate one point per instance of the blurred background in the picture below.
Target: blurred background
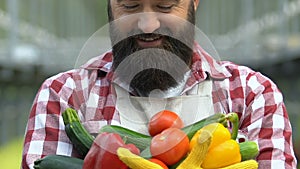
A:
(39, 38)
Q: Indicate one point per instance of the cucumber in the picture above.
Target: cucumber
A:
(81, 139)
(249, 150)
(141, 141)
(58, 162)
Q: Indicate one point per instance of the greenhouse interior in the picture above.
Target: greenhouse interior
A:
(40, 38)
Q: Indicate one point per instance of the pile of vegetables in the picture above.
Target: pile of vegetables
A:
(206, 144)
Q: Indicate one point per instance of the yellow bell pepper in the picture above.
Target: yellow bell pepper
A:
(217, 130)
(223, 150)
(224, 154)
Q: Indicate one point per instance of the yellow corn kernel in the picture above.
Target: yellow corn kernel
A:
(198, 153)
(134, 161)
(248, 164)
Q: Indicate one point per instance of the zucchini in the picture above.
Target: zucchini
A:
(58, 162)
(81, 139)
(249, 150)
(141, 141)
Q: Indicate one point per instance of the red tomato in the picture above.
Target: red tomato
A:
(157, 161)
(169, 146)
(163, 120)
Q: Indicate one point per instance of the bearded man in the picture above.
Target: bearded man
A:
(156, 64)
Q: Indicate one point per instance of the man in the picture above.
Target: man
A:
(155, 64)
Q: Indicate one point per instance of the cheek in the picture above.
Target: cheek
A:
(177, 19)
(122, 23)
(126, 23)
(174, 23)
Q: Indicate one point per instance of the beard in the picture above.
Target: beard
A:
(147, 69)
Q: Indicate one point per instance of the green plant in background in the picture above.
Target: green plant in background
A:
(11, 154)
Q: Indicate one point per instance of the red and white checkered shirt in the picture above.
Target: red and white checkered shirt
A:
(256, 99)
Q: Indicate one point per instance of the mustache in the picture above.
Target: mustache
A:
(148, 35)
(160, 31)
(116, 37)
(129, 45)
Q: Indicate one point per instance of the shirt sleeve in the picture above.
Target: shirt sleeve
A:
(45, 128)
(266, 121)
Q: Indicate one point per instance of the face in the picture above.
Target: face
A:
(149, 36)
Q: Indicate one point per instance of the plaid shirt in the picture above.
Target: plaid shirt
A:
(256, 99)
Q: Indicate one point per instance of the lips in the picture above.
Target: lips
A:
(149, 37)
(149, 40)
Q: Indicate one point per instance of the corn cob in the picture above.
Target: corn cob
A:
(248, 164)
(198, 153)
(134, 161)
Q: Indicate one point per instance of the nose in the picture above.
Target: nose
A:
(148, 22)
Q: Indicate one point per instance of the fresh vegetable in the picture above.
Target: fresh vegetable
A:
(174, 166)
(190, 130)
(141, 141)
(58, 162)
(224, 154)
(163, 120)
(234, 119)
(193, 160)
(146, 153)
(196, 157)
(103, 153)
(223, 150)
(170, 145)
(159, 162)
(218, 131)
(248, 164)
(134, 161)
(198, 153)
(81, 139)
(249, 150)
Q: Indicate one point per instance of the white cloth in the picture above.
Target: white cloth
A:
(135, 112)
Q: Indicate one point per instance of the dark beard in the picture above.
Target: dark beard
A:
(149, 69)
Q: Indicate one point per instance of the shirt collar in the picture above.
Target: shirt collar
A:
(101, 63)
(204, 63)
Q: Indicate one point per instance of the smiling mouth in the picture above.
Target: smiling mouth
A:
(149, 40)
